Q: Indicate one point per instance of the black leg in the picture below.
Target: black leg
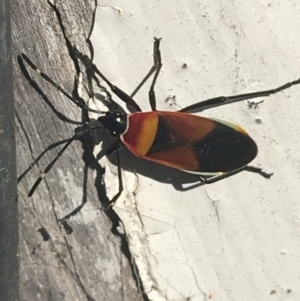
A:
(121, 188)
(209, 180)
(153, 68)
(157, 65)
(216, 101)
(254, 169)
(60, 89)
(20, 177)
(120, 93)
(114, 147)
(259, 171)
(50, 165)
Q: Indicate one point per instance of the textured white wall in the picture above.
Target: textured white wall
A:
(237, 239)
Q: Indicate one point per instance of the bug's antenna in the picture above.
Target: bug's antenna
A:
(50, 165)
(221, 100)
(59, 88)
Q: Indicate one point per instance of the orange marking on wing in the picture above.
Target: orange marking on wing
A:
(141, 132)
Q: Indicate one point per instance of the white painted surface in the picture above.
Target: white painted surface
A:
(237, 239)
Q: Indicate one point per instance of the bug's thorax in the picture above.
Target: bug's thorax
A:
(115, 122)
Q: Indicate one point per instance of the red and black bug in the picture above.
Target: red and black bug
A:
(211, 149)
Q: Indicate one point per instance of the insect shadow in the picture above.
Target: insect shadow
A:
(86, 141)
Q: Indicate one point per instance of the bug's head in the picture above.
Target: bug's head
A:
(115, 122)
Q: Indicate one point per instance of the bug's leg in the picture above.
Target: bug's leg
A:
(68, 229)
(220, 100)
(78, 102)
(158, 65)
(120, 93)
(50, 165)
(117, 144)
(254, 169)
(259, 171)
(156, 62)
(115, 198)
(36, 160)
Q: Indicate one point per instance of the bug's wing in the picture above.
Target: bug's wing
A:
(197, 144)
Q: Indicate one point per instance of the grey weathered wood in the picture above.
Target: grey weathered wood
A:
(9, 280)
(89, 263)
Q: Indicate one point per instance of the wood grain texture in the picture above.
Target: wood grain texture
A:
(9, 239)
(88, 264)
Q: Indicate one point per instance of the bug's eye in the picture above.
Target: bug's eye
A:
(113, 133)
(117, 115)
